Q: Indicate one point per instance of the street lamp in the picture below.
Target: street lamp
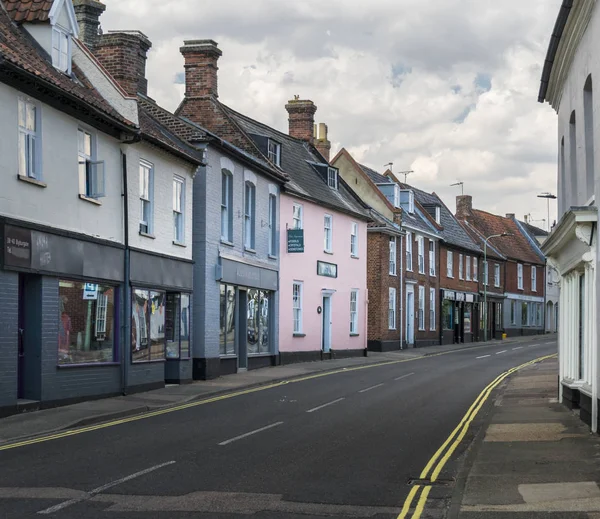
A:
(485, 278)
(548, 197)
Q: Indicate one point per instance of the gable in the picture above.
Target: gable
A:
(63, 15)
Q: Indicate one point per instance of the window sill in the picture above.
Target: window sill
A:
(354, 257)
(392, 329)
(33, 181)
(271, 256)
(251, 251)
(226, 242)
(355, 335)
(179, 359)
(299, 335)
(147, 235)
(450, 277)
(393, 274)
(87, 365)
(328, 252)
(255, 355)
(156, 361)
(179, 244)
(228, 356)
(90, 200)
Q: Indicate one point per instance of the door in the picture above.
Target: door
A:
(410, 317)
(21, 341)
(326, 324)
(244, 315)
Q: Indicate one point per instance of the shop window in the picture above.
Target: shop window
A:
(257, 321)
(148, 311)
(448, 315)
(227, 321)
(524, 314)
(513, 312)
(86, 326)
(468, 318)
(177, 326)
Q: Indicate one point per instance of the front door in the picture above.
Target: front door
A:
(410, 317)
(245, 334)
(326, 313)
(21, 341)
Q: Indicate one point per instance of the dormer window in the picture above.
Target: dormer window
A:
(407, 200)
(61, 50)
(332, 178)
(438, 214)
(275, 152)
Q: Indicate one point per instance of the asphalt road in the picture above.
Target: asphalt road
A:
(342, 445)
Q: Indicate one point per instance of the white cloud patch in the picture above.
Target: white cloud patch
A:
(445, 87)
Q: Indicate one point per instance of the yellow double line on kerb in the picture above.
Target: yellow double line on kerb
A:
(437, 462)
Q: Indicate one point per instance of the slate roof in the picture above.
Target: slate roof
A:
(533, 230)
(376, 177)
(31, 11)
(297, 159)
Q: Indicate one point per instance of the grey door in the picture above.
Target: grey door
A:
(410, 318)
(326, 324)
(243, 330)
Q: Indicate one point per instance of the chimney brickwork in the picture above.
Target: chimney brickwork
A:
(88, 14)
(201, 70)
(464, 206)
(321, 141)
(301, 119)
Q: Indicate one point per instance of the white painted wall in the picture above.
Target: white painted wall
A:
(166, 166)
(58, 204)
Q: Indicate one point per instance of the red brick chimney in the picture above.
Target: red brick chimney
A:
(464, 206)
(124, 54)
(201, 57)
(301, 119)
(320, 140)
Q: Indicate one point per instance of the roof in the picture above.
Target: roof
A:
(298, 160)
(20, 53)
(533, 230)
(29, 10)
(377, 178)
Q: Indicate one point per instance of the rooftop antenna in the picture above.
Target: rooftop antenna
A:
(405, 173)
(462, 187)
(389, 165)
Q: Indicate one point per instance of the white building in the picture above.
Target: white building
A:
(571, 68)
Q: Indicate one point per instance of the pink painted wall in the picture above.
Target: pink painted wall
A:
(352, 274)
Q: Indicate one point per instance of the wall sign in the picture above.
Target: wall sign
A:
(17, 246)
(329, 270)
(90, 292)
(245, 275)
(295, 241)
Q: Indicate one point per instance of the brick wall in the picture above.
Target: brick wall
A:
(9, 291)
(512, 282)
(491, 287)
(455, 283)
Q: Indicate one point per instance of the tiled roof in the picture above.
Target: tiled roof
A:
(377, 178)
(296, 159)
(19, 50)
(478, 238)
(28, 10)
(533, 230)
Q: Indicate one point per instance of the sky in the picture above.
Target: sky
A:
(446, 88)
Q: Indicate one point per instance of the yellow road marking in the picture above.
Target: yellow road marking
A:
(421, 504)
(407, 504)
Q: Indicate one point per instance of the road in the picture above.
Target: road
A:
(342, 445)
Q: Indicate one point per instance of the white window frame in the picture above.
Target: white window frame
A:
(519, 276)
(249, 216)
(450, 264)
(332, 178)
(392, 256)
(421, 254)
(485, 273)
(273, 225)
(533, 278)
(475, 268)
(297, 302)
(30, 139)
(513, 312)
(101, 316)
(438, 214)
(432, 324)
(354, 240)
(468, 268)
(354, 311)
(392, 308)
(226, 206)
(297, 216)
(179, 210)
(421, 309)
(60, 39)
(328, 233)
(274, 152)
(409, 252)
(461, 268)
(146, 198)
(496, 275)
(92, 182)
(431, 258)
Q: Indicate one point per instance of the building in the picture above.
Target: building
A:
(570, 70)
(384, 255)
(515, 265)
(321, 296)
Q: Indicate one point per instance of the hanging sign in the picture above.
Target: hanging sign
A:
(90, 292)
(295, 240)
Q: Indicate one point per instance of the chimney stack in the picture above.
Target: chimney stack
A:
(510, 215)
(124, 54)
(301, 119)
(320, 140)
(88, 14)
(464, 206)
(201, 57)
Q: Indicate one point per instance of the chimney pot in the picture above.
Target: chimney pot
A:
(464, 206)
(88, 14)
(320, 140)
(301, 119)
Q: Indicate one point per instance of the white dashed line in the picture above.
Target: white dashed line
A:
(483, 357)
(324, 405)
(369, 388)
(404, 376)
(499, 352)
(517, 348)
(242, 436)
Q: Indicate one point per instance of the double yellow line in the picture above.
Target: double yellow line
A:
(432, 470)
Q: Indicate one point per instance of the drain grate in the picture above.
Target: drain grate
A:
(428, 482)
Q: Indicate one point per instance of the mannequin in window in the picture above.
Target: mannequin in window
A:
(64, 328)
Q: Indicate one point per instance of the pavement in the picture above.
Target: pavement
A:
(39, 422)
(343, 443)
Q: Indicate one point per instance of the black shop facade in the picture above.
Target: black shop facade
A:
(460, 317)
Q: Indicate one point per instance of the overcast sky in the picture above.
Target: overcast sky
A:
(447, 88)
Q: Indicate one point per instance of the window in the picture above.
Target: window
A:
(438, 214)
(354, 312)
(513, 312)
(520, 276)
(297, 217)
(432, 309)
(450, 264)
(250, 216)
(275, 152)
(524, 315)
(392, 265)
(257, 321)
(421, 252)
(431, 258)
(328, 243)
(496, 275)
(273, 225)
(468, 268)
(475, 268)
(421, 308)
(573, 200)
(588, 116)
(460, 267)
(392, 309)
(178, 207)
(409, 249)
(227, 320)
(177, 326)
(226, 206)
(29, 123)
(533, 278)
(86, 324)
(332, 178)
(146, 198)
(297, 306)
(148, 325)
(485, 273)
(354, 240)
(91, 172)
(61, 50)
(447, 314)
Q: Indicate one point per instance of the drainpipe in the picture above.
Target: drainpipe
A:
(126, 343)
(402, 302)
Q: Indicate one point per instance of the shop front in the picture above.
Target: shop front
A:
(459, 317)
(495, 321)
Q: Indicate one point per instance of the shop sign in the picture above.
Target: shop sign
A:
(17, 246)
(460, 296)
(470, 298)
(295, 241)
(450, 296)
(90, 292)
(326, 269)
(242, 274)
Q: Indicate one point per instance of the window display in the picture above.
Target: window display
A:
(257, 321)
(148, 325)
(177, 326)
(227, 320)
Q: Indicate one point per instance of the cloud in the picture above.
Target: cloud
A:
(445, 87)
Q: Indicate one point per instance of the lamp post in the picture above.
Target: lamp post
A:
(548, 197)
(485, 279)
